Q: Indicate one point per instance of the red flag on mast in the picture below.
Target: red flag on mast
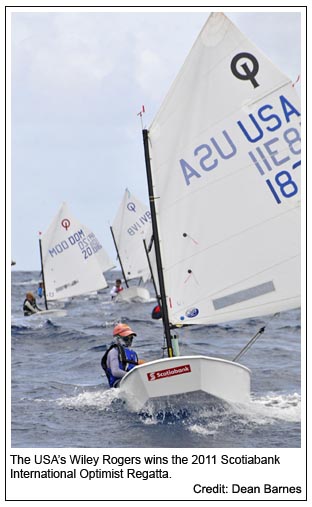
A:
(141, 112)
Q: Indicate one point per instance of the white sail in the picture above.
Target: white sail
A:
(73, 258)
(225, 162)
(129, 228)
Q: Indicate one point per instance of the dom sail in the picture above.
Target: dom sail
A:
(73, 259)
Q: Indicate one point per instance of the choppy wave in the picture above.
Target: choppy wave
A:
(205, 419)
(61, 397)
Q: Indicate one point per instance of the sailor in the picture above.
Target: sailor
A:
(116, 289)
(30, 305)
(120, 358)
(40, 290)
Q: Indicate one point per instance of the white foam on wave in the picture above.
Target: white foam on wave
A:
(262, 411)
(89, 399)
(203, 430)
(286, 407)
(27, 282)
(28, 322)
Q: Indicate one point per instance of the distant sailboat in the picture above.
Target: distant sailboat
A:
(73, 260)
(128, 232)
(223, 168)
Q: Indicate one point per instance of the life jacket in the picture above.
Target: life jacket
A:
(128, 359)
(26, 310)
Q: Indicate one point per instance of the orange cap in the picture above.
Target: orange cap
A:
(123, 330)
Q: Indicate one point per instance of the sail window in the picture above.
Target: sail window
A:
(243, 295)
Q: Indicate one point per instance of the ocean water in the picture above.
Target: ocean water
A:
(60, 396)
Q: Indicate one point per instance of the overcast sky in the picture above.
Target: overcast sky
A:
(78, 81)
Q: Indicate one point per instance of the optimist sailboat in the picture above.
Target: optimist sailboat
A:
(72, 259)
(223, 169)
(128, 232)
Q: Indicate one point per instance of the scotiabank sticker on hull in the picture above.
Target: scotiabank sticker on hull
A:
(169, 372)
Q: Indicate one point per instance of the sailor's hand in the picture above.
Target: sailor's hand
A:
(141, 361)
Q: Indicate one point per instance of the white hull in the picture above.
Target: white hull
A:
(48, 313)
(162, 378)
(134, 294)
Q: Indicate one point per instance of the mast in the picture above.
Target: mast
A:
(122, 269)
(164, 308)
(42, 272)
(151, 272)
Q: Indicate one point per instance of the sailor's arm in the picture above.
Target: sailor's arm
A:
(113, 363)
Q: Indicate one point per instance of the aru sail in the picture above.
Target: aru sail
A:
(225, 165)
(73, 259)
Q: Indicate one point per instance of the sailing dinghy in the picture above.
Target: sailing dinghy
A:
(72, 259)
(223, 168)
(128, 232)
